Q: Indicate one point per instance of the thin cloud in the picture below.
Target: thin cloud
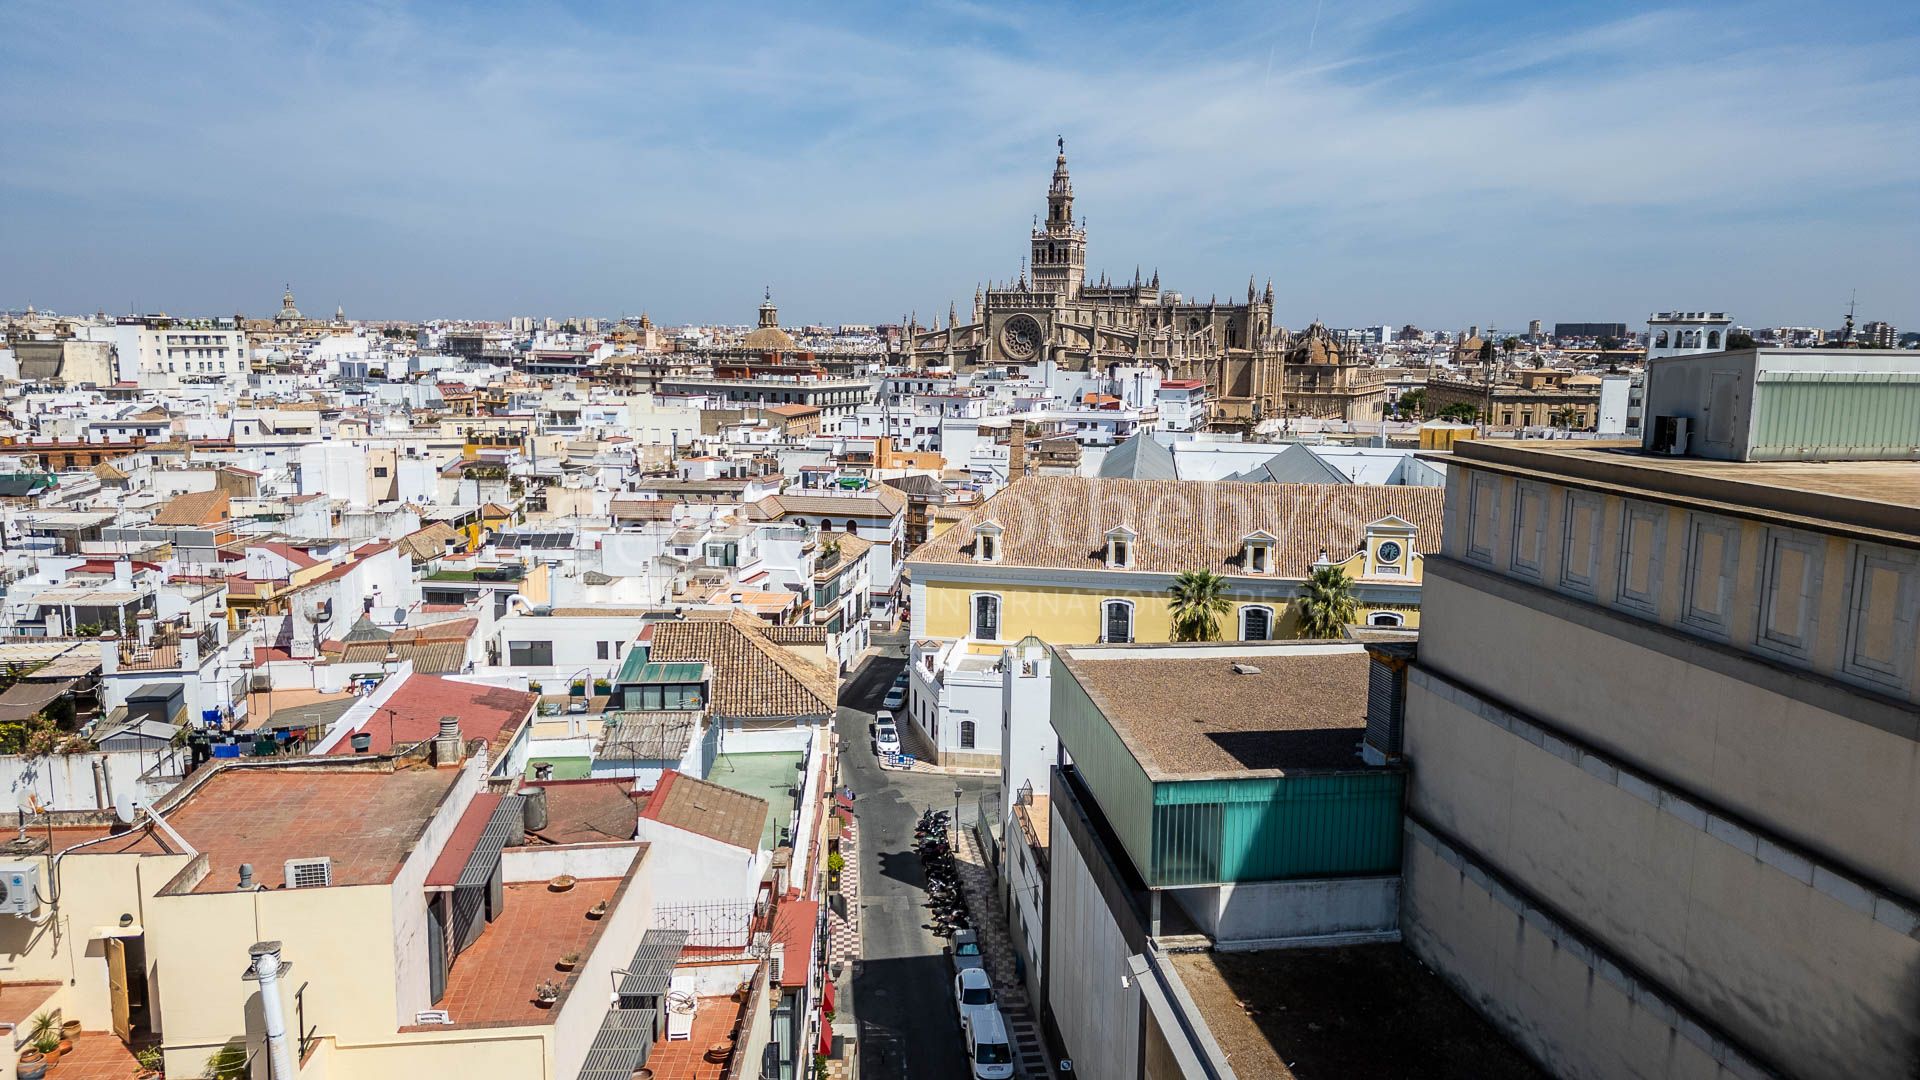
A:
(420, 161)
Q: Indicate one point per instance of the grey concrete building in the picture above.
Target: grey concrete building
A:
(1662, 735)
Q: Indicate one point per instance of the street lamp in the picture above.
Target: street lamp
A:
(957, 792)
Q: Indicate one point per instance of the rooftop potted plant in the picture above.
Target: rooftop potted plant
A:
(598, 910)
(546, 993)
(150, 1063)
(570, 961)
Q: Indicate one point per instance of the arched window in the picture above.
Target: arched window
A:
(1116, 621)
(986, 617)
(966, 734)
(1386, 618)
(1256, 623)
(802, 522)
(851, 526)
(1660, 340)
(1713, 339)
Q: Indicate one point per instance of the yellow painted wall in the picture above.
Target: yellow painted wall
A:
(95, 890)
(1068, 615)
(338, 939)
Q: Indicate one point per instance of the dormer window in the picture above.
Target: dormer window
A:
(1389, 546)
(1256, 552)
(986, 541)
(1120, 547)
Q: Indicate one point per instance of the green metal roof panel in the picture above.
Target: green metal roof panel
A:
(670, 673)
(1836, 415)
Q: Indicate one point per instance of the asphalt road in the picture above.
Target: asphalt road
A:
(902, 996)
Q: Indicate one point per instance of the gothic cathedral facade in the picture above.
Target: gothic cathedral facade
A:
(1053, 313)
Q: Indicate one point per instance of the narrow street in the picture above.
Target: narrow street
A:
(902, 999)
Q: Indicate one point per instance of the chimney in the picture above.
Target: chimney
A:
(446, 745)
(534, 808)
(109, 653)
(245, 884)
(266, 968)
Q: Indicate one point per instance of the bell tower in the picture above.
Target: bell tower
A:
(1059, 247)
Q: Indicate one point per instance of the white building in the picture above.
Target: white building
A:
(1671, 333)
(161, 354)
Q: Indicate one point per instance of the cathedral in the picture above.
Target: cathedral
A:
(1052, 312)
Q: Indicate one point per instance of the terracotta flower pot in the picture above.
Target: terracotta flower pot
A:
(70, 1030)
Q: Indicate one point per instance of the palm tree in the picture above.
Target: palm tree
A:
(1199, 599)
(1327, 606)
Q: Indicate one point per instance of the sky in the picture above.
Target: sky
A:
(1406, 161)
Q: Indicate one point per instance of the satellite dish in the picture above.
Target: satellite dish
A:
(23, 800)
(399, 615)
(123, 806)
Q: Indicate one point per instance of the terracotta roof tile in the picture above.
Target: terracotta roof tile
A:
(193, 509)
(1062, 521)
(705, 809)
(753, 677)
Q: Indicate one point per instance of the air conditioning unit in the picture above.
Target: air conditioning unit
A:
(309, 873)
(19, 888)
(1670, 435)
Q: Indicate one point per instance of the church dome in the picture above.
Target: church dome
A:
(768, 337)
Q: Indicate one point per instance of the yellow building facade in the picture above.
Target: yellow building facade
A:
(1080, 561)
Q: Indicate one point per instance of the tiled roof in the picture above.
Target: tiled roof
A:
(194, 508)
(293, 555)
(794, 925)
(731, 817)
(796, 635)
(427, 543)
(643, 509)
(589, 811)
(752, 676)
(366, 821)
(1062, 521)
(920, 484)
(881, 501)
(466, 837)
(429, 657)
(492, 713)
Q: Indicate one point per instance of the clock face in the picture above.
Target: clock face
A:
(1021, 337)
(1390, 552)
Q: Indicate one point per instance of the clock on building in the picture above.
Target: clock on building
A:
(1390, 552)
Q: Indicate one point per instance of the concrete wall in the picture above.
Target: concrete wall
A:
(1098, 1018)
(1788, 967)
(1820, 777)
(66, 781)
(1262, 914)
(1548, 998)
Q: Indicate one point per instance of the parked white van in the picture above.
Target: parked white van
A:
(988, 1050)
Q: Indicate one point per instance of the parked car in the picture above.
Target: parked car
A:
(886, 737)
(989, 1050)
(896, 697)
(972, 994)
(965, 951)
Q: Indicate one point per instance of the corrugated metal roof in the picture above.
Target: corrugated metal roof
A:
(652, 966)
(504, 825)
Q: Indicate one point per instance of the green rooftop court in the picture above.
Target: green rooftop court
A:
(771, 776)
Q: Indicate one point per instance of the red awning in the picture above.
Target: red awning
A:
(826, 1032)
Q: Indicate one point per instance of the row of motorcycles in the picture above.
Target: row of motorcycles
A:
(948, 907)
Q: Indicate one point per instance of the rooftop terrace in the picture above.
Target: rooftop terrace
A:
(492, 983)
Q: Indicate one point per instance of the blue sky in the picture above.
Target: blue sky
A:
(1405, 161)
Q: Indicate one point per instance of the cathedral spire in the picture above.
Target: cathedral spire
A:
(1060, 193)
(1249, 288)
(1269, 291)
